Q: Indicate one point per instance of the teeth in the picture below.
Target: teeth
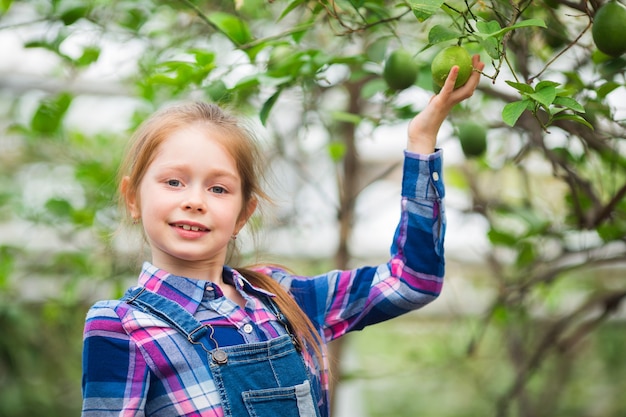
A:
(187, 227)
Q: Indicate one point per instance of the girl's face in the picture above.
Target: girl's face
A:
(190, 202)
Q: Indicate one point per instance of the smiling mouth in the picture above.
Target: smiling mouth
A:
(192, 228)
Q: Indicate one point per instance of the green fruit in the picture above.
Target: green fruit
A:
(446, 59)
(608, 30)
(280, 58)
(400, 70)
(473, 138)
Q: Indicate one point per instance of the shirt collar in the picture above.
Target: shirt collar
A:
(188, 292)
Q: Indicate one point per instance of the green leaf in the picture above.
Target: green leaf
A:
(7, 264)
(59, 207)
(83, 217)
(544, 84)
(545, 95)
(487, 30)
(49, 114)
(291, 7)
(133, 18)
(569, 103)
(500, 237)
(161, 79)
(612, 231)
(424, 9)
(50, 46)
(491, 46)
(512, 111)
(375, 52)
(575, 118)
(230, 25)
(374, 9)
(346, 117)
(217, 90)
(439, 33)
(574, 81)
(373, 87)
(336, 150)
(607, 88)
(89, 56)
(536, 224)
(70, 16)
(267, 106)
(521, 87)
(5, 5)
(526, 254)
(204, 58)
(501, 315)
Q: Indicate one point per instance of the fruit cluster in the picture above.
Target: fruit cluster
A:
(401, 70)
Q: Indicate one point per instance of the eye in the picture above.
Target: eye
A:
(217, 189)
(173, 183)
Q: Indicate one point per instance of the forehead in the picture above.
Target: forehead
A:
(197, 144)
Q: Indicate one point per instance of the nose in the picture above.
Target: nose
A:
(194, 201)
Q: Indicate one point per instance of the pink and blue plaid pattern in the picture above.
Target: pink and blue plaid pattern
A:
(125, 372)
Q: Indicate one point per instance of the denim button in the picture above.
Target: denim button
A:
(436, 176)
(247, 328)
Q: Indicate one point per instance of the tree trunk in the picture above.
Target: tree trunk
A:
(348, 180)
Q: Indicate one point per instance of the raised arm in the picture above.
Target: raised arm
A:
(423, 129)
(342, 301)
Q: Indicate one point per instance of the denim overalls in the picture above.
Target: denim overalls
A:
(264, 379)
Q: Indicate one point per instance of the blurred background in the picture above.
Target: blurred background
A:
(531, 320)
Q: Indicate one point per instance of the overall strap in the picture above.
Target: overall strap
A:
(166, 310)
(282, 319)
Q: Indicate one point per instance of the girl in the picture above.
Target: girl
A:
(198, 338)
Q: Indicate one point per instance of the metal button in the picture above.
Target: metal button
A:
(436, 176)
(248, 328)
(219, 356)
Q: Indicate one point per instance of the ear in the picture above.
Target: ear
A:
(130, 198)
(246, 213)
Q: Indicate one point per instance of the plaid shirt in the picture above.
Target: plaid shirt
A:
(119, 356)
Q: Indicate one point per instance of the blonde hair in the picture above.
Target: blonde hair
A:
(239, 142)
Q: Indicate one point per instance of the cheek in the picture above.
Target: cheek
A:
(145, 200)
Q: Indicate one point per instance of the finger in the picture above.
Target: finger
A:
(476, 63)
(478, 66)
(448, 86)
(468, 88)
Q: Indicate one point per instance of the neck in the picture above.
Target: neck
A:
(194, 270)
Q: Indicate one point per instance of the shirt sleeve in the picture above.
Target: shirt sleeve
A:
(342, 301)
(115, 374)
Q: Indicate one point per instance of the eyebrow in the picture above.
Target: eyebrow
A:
(214, 172)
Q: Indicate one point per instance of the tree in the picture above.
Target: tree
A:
(550, 188)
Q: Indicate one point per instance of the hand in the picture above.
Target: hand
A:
(424, 127)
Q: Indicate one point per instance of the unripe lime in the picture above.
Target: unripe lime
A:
(446, 59)
(280, 56)
(473, 139)
(608, 30)
(400, 70)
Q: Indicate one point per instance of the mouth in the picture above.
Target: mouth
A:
(193, 228)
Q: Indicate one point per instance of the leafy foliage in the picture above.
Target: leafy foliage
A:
(551, 187)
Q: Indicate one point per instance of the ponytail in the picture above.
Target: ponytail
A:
(301, 326)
